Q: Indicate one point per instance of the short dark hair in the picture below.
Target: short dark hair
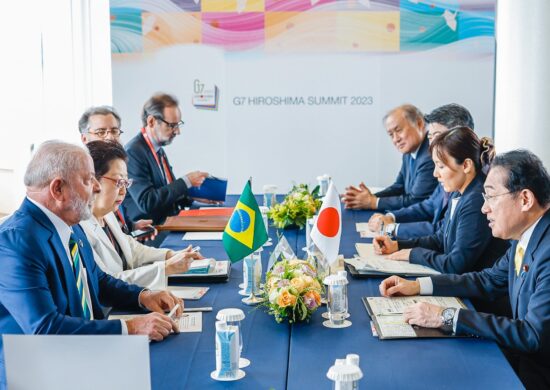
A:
(103, 153)
(155, 106)
(451, 115)
(525, 171)
(84, 121)
(412, 113)
(462, 143)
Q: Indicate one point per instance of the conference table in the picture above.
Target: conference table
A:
(298, 356)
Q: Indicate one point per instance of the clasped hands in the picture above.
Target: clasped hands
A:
(359, 198)
(422, 314)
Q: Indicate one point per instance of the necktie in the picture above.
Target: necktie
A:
(518, 258)
(164, 165)
(77, 268)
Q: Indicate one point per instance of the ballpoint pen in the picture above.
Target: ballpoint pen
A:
(173, 311)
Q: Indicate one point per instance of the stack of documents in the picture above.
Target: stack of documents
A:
(387, 316)
(218, 271)
(369, 263)
(188, 322)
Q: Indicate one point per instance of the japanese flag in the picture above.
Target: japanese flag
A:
(328, 226)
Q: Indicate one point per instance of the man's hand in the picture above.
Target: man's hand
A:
(402, 255)
(423, 314)
(359, 198)
(196, 178)
(396, 286)
(144, 224)
(160, 301)
(155, 325)
(375, 222)
(383, 245)
(181, 261)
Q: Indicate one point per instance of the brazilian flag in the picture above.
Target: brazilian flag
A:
(245, 232)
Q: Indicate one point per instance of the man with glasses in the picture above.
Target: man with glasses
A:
(102, 123)
(99, 124)
(517, 204)
(156, 192)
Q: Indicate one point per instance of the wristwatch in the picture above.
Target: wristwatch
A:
(447, 316)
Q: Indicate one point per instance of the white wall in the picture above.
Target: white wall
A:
(284, 143)
(522, 76)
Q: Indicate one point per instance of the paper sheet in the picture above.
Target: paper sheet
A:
(370, 261)
(202, 236)
(396, 305)
(188, 322)
(188, 293)
(363, 229)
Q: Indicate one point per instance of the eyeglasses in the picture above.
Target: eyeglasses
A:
(172, 125)
(120, 183)
(487, 198)
(102, 132)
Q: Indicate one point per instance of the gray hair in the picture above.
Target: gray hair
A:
(84, 121)
(54, 159)
(412, 114)
(155, 106)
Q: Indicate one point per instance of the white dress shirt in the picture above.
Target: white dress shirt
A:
(64, 232)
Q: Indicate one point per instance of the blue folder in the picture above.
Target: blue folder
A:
(212, 188)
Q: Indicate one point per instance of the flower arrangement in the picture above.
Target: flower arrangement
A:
(292, 290)
(297, 207)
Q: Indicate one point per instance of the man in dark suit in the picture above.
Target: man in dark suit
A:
(156, 193)
(415, 182)
(517, 204)
(50, 283)
(423, 218)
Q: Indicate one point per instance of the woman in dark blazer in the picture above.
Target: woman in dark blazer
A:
(463, 242)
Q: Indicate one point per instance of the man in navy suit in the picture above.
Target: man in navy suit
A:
(415, 182)
(517, 204)
(156, 193)
(50, 283)
(423, 218)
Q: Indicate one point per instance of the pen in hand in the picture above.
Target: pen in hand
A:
(196, 249)
(172, 313)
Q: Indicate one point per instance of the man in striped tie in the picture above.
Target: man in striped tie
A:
(50, 283)
(517, 205)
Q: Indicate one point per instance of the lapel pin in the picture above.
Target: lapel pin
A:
(525, 268)
(80, 243)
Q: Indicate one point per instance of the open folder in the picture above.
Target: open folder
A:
(387, 316)
(212, 188)
(368, 263)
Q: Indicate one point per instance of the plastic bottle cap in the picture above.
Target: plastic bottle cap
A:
(230, 315)
(344, 373)
(269, 188)
(352, 358)
(335, 280)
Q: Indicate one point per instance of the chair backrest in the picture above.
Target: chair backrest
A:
(77, 362)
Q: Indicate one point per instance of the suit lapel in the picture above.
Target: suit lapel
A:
(65, 270)
(528, 260)
(119, 236)
(100, 233)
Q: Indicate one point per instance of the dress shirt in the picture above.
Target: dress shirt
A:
(64, 232)
(157, 147)
(426, 285)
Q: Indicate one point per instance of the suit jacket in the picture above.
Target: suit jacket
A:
(463, 243)
(38, 293)
(423, 218)
(415, 181)
(528, 331)
(149, 196)
(146, 264)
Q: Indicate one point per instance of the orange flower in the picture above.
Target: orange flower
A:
(286, 299)
(314, 295)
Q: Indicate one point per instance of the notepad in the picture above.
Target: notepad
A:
(202, 236)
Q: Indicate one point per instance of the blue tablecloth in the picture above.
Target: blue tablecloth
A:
(298, 356)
